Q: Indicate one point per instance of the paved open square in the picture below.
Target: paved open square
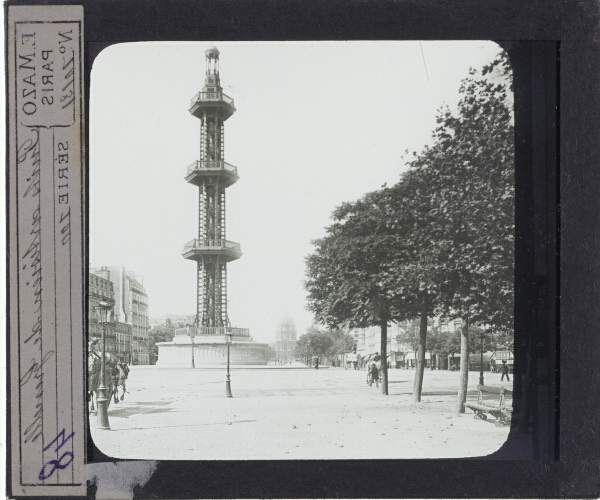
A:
(293, 413)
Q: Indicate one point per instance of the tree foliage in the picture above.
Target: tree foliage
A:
(313, 343)
(440, 241)
(470, 191)
(316, 342)
(160, 333)
(342, 342)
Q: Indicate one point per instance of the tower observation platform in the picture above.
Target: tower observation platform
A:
(211, 250)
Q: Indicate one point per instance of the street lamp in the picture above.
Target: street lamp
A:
(192, 334)
(481, 371)
(228, 378)
(102, 415)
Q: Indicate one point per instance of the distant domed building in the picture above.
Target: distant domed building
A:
(285, 339)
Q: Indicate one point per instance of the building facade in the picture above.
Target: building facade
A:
(402, 341)
(123, 339)
(100, 290)
(131, 308)
(285, 339)
(118, 335)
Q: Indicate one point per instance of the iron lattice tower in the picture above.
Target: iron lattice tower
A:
(211, 250)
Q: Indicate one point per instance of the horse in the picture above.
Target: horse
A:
(372, 373)
(94, 377)
(120, 374)
(378, 366)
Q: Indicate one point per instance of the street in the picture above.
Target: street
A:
(287, 413)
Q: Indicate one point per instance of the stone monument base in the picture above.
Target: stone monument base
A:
(210, 350)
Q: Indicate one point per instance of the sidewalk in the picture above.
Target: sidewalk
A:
(297, 414)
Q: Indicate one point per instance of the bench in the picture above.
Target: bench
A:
(494, 405)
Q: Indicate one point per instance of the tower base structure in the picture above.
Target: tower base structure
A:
(210, 350)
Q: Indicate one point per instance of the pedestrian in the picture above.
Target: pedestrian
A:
(317, 363)
(378, 363)
(504, 371)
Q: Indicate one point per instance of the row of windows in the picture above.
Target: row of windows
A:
(99, 292)
(122, 347)
(100, 282)
(110, 346)
(123, 337)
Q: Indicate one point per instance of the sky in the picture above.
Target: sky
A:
(317, 124)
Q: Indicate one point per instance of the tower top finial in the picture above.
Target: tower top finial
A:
(212, 52)
(212, 81)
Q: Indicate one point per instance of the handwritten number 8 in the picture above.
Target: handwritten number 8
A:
(56, 464)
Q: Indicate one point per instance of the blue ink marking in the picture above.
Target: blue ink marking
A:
(57, 464)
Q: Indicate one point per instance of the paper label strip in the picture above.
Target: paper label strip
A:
(46, 177)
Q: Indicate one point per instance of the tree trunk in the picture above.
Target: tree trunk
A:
(464, 365)
(420, 368)
(384, 371)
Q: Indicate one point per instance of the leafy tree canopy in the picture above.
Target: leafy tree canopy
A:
(316, 342)
(160, 333)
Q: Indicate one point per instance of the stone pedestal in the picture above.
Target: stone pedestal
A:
(210, 350)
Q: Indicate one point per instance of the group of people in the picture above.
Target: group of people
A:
(374, 370)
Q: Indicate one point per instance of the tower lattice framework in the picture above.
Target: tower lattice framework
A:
(212, 175)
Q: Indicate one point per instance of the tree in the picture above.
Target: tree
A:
(441, 241)
(449, 342)
(341, 342)
(470, 172)
(434, 344)
(313, 343)
(418, 269)
(348, 273)
(454, 217)
(503, 339)
(410, 335)
(160, 333)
